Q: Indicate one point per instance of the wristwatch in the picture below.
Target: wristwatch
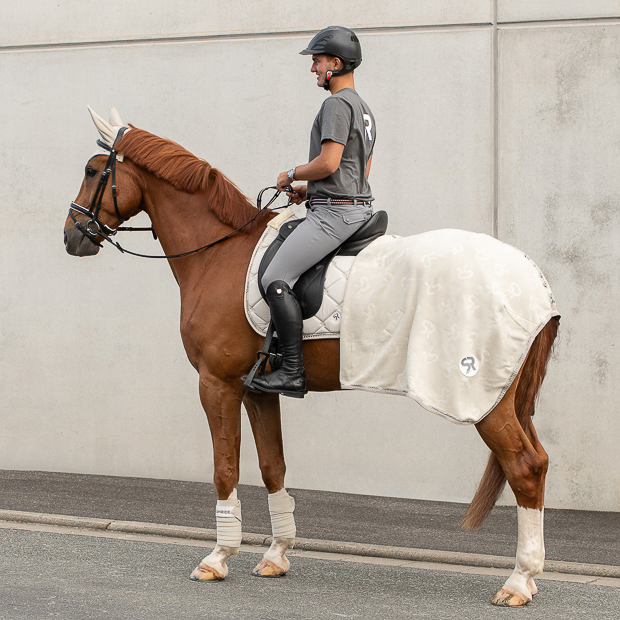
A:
(291, 174)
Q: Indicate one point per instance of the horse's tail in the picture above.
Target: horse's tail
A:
(532, 375)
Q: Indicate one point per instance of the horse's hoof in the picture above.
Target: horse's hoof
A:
(532, 586)
(509, 597)
(206, 573)
(267, 568)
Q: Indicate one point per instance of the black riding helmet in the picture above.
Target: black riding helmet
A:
(337, 41)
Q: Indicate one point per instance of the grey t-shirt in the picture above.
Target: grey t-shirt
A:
(344, 118)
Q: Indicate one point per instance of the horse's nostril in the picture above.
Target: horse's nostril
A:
(64, 235)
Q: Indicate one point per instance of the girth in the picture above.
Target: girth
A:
(309, 288)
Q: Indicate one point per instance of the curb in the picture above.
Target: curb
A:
(308, 544)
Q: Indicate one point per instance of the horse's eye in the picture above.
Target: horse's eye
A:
(90, 172)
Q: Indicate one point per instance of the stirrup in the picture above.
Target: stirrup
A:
(267, 353)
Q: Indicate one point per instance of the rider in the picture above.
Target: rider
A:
(338, 194)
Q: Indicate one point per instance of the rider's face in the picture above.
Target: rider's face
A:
(321, 64)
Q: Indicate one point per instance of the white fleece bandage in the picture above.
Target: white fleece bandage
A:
(228, 517)
(281, 507)
(530, 549)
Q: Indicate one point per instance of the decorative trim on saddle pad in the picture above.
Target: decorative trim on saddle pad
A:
(326, 322)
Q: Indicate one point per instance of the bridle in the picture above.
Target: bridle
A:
(94, 228)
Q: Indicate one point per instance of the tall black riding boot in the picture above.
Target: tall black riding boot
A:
(290, 378)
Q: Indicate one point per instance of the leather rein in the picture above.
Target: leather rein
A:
(94, 228)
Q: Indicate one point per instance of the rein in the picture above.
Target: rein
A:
(94, 228)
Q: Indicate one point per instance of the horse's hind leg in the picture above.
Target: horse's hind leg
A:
(264, 414)
(532, 435)
(524, 463)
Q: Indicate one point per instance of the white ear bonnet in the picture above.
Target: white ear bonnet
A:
(108, 131)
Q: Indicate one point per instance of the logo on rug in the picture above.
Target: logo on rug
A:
(469, 366)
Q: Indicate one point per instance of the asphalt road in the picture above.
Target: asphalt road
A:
(570, 535)
(87, 577)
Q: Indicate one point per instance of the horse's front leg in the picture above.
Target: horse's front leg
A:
(264, 415)
(222, 404)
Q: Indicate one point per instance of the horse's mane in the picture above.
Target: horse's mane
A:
(174, 164)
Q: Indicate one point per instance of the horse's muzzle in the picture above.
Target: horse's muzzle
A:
(78, 244)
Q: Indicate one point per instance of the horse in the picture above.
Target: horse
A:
(193, 206)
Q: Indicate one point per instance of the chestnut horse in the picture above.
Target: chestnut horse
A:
(191, 205)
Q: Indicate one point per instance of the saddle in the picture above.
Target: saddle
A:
(309, 288)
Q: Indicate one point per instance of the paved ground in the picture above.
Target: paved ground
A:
(575, 536)
(96, 576)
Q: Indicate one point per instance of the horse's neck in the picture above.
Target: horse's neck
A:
(185, 222)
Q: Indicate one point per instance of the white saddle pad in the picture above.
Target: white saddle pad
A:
(326, 322)
(445, 317)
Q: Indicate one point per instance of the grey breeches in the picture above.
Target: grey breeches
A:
(324, 229)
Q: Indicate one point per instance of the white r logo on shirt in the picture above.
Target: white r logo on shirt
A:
(368, 123)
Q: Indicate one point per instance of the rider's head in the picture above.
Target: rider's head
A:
(336, 51)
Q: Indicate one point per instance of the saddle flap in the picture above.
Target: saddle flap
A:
(285, 230)
(309, 287)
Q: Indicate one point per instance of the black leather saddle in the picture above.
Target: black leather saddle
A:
(309, 287)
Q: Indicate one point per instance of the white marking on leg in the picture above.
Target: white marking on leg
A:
(530, 551)
(281, 507)
(218, 557)
(276, 553)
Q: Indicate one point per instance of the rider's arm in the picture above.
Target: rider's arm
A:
(322, 166)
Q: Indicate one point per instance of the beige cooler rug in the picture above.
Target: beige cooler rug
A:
(445, 317)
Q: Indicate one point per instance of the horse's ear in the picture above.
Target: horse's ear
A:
(106, 131)
(115, 118)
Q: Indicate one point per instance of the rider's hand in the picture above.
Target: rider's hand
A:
(283, 182)
(298, 195)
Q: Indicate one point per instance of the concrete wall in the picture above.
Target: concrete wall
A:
(498, 117)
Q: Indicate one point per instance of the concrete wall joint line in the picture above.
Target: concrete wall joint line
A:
(495, 124)
(235, 36)
(560, 23)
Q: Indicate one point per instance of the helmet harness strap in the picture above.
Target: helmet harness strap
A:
(328, 77)
(335, 72)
